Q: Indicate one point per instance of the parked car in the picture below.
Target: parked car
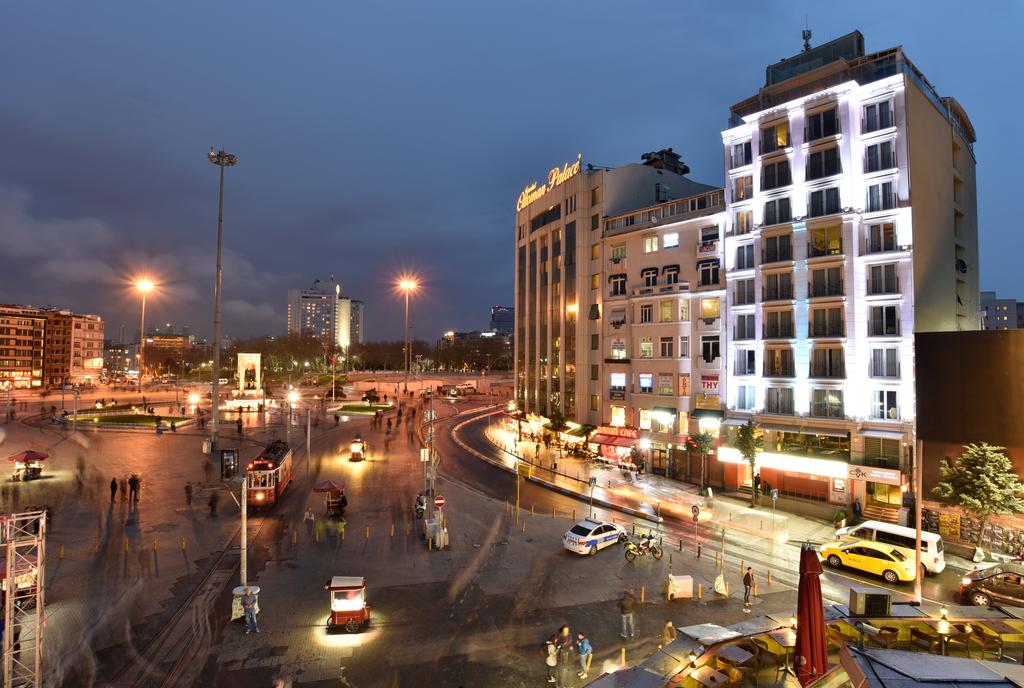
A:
(932, 556)
(876, 558)
(588, 536)
(999, 584)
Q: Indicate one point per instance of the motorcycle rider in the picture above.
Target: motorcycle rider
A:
(421, 505)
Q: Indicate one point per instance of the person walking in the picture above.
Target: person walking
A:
(214, 498)
(626, 606)
(748, 586)
(239, 426)
(188, 494)
(308, 518)
(586, 653)
(113, 489)
(124, 489)
(341, 530)
(249, 607)
(668, 632)
(551, 657)
(133, 488)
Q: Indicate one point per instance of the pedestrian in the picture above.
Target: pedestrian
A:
(551, 657)
(668, 632)
(133, 488)
(214, 498)
(239, 424)
(249, 607)
(856, 511)
(113, 489)
(188, 494)
(124, 489)
(308, 518)
(207, 470)
(748, 586)
(757, 483)
(341, 530)
(586, 653)
(626, 607)
(536, 452)
(174, 427)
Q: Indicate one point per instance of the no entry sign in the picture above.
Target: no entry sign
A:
(439, 501)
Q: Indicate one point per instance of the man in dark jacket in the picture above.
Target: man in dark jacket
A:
(113, 489)
(626, 606)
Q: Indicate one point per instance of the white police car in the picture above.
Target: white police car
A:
(588, 536)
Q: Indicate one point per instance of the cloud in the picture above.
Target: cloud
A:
(244, 310)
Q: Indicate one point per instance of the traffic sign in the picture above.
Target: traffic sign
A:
(695, 510)
(424, 454)
(524, 470)
(775, 494)
(439, 501)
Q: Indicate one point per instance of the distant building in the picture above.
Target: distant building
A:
(1001, 314)
(322, 312)
(165, 353)
(117, 357)
(502, 319)
(474, 351)
(21, 360)
(73, 348)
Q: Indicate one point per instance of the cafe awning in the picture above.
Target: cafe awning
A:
(581, 431)
(707, 413)
(884, 434)
(613, 440)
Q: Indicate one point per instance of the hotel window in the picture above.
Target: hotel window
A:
(646, 313)
(823, 163)
(595, 251)
(593, 371)
(617, 382)
(666, 385)
(743, 221)
(594, 339)
(776, 175)
(884, 406)
(885, 362)
(645, 383)
(826, 322)
(570, 204)
(828, 362)
(710, 308)
(778, 363)
(684, 310)
(646, 347)
(778, 286)
(707, 271)
(745, 362)
(883, 279)
(877, 116)
(663, 420)
(777, 248)
(879, 156)
(777, 212)
(826, 282)
(666, 347)
(595, 281)
(650, 244)
(595, 222)
(885, 321)
(743, 292)
(778, 400)
(709, 234)
(666, 310)
(745, 257)
(827, 403)
(617, 318)
(775, 137)
(645, 419)
(778, 325)
(618, 349)
(670, 240)
(709, 348)
(822, 124)
(649, 276)
(881, 197)
(882, 237)
(744, 327)
(618, 252)
(824, 202)
(618, 283)
(684, 346)
(595, 195)
(684, 384)
(825, 241)
(740, 155)
(618, 417)
(595, 402)
(744, 397)
(671, 273)
(742, 188)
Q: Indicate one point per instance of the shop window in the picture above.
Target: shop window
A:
(645, 383)
(665, 386)
(709, 308)
(645, 419)
(595, 402)
(684, 384)
(618, 416)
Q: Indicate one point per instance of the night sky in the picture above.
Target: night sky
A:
(376, 138)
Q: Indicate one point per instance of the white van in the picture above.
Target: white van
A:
(901, 537)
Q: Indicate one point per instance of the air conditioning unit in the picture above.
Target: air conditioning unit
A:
(870, 602)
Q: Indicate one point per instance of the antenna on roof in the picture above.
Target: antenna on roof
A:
(806, 35)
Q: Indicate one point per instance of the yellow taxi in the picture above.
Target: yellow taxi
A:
(876, 558)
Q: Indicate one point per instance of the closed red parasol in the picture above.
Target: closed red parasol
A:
(27, 456)
(328, 486)
(811, 653)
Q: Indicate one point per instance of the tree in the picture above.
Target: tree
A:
(702, 443)
(558, 423)
(983, 482)
(747, 443)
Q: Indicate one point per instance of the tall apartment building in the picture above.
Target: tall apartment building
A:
(322, 312)
(22, 335)
(503, 319)
(562, 276)
(73, 349)
(852, 224)
(1000, 314)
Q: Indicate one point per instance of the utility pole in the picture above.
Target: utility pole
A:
(245, 534)
(308, 416)
(918, 473)
(74, 417)
(221, 159)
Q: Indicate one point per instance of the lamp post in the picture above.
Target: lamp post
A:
(221, 159)
(144, 286)
(407, 285)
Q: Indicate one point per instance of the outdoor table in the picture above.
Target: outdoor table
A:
(944, 629)
(787, 640)
(734, 654)
(707, 676)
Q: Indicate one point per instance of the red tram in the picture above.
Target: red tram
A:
(268, 474)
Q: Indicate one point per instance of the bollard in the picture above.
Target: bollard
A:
(183, 543)
(753, 588)
(623, 655)
(552, 512)
(680, 544)
(367, 532)
(295, 536)
(670, 563)
(642, 593)
(769, 576)
(698, 550)
(531, 509)
(62, 551)
(574, 514)
(430, 544)
(524, 525)
(727, 588)
(634, 529)
(126, 544)
(718, 556)
(392, 529)
(154, 544)
(762, 523)
(700, 591)
(742, 566)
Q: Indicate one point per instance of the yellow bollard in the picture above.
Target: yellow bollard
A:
(126, 545)
(524, 525)
(430, 544)
(295, 536)
(643, 592)
(769, 576)
(552, 512)
(62, 551)
(753, 588)
(726, 588)
(392, 529)
(531, 509)
(742, 566)
(574, 514)
(623, 657)
(367, 532)
(183, 545)
(154, 544)
(700, 591)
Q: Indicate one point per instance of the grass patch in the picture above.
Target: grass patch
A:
(362, 409)
(128, 419)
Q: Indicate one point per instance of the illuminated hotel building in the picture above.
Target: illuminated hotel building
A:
(851, 225)
(322, 312)
(22, 337)
(565, 274)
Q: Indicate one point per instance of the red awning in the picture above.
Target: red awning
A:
(613, 440)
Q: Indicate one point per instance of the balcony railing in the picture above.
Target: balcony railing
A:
(829, 372)
(776, 255)
(827, 410)
(824, 290)
(778, 294)
(828, 248)
(890, 285)
(779, 332)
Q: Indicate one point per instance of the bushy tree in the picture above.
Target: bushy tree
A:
(747, 443)
(702, 443)
(983, 482)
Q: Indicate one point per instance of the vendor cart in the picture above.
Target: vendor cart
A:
(335, 500)
(28, 464)
(348, 603)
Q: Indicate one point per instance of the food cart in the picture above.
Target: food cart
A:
(335, 500)
(348, 603)
(28, 464)
(359, 449)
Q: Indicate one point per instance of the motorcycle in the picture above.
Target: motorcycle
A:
(646, 546)
(421, 505)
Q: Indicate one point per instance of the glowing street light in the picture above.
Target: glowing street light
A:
(145, 286)
(407, 285)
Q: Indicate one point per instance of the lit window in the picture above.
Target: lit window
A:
(670, 240)
(645, 383)
(618, 416)
(645, 419)
(709, 307)
(650, 244)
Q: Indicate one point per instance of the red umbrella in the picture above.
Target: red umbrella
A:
(328, 486)
(811, 653)
(27, 456)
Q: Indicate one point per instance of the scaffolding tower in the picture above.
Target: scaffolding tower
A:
(22, 546)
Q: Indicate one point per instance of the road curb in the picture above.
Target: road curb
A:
(636, 513)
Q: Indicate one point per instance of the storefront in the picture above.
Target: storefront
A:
(614, 443)
(879, 487)
(809, 478)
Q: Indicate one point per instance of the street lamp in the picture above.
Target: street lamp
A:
(407, 285)
(144, 285)
(221, 160)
